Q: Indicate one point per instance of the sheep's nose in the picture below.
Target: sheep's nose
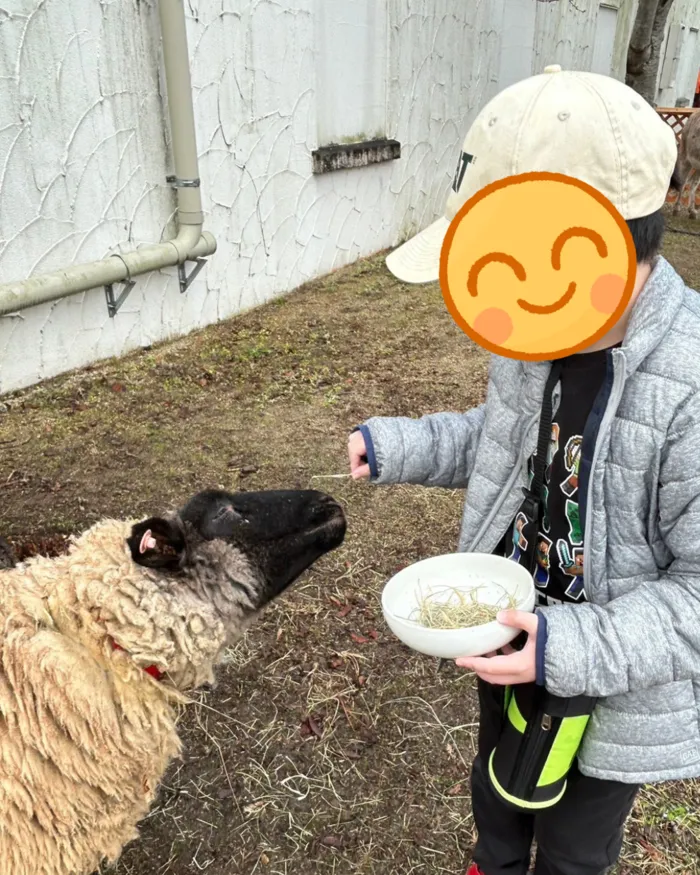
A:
(326, 500)
(321, 507)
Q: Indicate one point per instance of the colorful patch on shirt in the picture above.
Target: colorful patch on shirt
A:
(542, 568)
(574, 520)
(519, 540)
(545, 509)
(572, 459)
(571, 563)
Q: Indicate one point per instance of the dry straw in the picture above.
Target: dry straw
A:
(462, 610)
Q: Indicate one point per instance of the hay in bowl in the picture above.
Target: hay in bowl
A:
(454, 607)
(446, 606)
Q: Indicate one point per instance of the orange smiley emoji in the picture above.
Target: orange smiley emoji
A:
(537, 266)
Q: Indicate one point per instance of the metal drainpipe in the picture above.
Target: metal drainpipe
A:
(190, 243)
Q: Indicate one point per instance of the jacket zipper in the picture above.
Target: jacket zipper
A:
(506, 489)
(522, 459)
(608, 416)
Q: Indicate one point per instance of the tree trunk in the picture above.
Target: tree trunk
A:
(646, 44)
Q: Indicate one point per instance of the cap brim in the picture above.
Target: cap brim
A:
(418, 260)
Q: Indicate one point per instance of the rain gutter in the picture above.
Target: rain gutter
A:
(190, 244)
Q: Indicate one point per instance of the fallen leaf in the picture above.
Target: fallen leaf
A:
(310, 726)
(653, 852)
(359, 639)
(336, 602)
(343, 612)
(373, 634)
(315, 728)
(332, 841)
(361, 680)
(117, 387)
(279, 633)
(336, 663)
(264, 859)
(455, 791)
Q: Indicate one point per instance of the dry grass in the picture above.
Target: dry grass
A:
(327, 747)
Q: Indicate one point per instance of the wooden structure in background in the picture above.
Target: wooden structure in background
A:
(676, 117)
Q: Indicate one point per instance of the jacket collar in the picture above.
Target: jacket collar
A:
(651, 318)
(653, 314)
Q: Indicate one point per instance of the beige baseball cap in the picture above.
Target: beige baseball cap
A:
(588, 126)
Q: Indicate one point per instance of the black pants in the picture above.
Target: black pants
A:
(581, 835)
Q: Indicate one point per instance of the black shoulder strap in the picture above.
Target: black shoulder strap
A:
(532, 506)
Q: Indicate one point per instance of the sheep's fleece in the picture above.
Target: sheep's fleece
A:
(85, 733)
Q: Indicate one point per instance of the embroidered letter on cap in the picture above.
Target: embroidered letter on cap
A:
(464, 160)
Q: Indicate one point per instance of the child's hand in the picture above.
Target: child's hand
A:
(518, 666)
(357, 451)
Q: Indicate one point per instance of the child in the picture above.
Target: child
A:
(618, 556)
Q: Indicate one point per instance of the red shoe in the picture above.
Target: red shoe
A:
(473, 870)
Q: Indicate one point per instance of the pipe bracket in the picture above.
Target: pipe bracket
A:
(185, 278)
(114, 304)
(175, 182)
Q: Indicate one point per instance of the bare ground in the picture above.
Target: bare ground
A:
(327, 747)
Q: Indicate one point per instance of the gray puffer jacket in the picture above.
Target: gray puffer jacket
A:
(635, 644)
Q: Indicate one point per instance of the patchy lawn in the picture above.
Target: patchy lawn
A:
(327, 747)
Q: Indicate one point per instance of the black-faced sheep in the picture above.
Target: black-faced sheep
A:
(98, 645)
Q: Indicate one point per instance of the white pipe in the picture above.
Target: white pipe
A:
(189, 243)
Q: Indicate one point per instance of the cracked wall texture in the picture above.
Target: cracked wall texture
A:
(84, 152)
(686, 14)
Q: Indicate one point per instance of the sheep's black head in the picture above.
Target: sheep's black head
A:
(280, 533)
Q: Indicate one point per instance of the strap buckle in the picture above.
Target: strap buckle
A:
(530, 505)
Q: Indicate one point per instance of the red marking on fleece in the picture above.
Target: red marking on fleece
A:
(153, 670)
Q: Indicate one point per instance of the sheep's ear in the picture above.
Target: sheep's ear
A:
(8, 557)
(157, 543)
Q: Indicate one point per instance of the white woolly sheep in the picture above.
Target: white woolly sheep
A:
(98, 645)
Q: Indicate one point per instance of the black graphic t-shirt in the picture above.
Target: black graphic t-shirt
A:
(559, 568)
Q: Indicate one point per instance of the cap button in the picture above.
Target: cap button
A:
(553, 68)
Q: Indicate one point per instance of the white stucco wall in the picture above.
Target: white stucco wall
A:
(686, 15)
(83, 156)
(84, 150)
(564, 34)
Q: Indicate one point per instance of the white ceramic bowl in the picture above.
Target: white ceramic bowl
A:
(491, 575)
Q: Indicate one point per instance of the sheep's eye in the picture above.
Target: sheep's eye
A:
(224, 512)
(228, 514)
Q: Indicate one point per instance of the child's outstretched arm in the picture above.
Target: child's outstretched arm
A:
(435, 450)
